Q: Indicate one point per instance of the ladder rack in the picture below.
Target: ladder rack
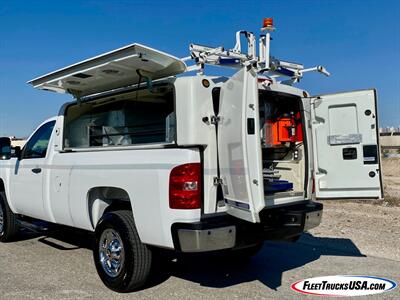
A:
(265, 64)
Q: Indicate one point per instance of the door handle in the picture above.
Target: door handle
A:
(36, 170)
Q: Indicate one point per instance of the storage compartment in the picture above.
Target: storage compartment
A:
(283, 153)
(136, 117)
(261, 153)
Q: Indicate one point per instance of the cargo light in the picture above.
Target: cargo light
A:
(185, 186)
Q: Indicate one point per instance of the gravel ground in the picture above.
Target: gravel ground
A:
(391, 175)
(374, 229)
(354, 238)
(358, 238)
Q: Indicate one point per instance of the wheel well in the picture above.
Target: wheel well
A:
(106, 199)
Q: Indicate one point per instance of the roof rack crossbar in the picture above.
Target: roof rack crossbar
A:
(265, 64)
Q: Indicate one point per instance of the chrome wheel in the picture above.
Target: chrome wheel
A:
(1, 219)
(111, 252)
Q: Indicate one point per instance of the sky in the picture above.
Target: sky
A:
(358, 41)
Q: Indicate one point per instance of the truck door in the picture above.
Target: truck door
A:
(26, 181)
(346, 145)
(239, 146)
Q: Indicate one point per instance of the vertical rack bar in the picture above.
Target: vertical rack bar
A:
(267, 50)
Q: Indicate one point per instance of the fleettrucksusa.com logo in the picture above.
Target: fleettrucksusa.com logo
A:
(343, 285)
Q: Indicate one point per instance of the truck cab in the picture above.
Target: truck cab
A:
(147, 157)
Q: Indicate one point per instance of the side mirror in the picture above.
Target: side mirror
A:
(5, 148)
(16, 152)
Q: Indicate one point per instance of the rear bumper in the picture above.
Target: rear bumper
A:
(222, 231)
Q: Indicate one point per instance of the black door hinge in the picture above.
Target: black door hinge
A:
(218, 181)
(215, 119)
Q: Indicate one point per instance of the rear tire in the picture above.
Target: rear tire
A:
(8, 220)
(122, 261)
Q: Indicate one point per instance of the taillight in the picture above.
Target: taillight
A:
(185, 186)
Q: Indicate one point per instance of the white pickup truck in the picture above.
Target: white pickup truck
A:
(145, 158)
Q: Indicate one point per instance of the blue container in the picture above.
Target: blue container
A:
(277, 186)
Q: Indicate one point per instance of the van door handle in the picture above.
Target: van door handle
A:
(36, 170)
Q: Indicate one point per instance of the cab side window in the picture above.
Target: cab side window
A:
(37, 145)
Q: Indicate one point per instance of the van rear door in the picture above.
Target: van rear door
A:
(346, 145)
(239, 146)
(119, 68)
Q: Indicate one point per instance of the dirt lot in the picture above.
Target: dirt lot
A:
(374, 226)
(360, 238)
(354, 238)
(391, 174)
(374, 229)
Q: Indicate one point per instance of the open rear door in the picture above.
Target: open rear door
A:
(115, 69)
(346, 145)
(239, 146)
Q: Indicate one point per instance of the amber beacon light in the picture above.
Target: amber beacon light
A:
(268, 23)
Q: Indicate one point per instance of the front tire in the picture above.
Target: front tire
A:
(8, 220)
(122, 261)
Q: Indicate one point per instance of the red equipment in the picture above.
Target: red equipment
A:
(284, 129)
